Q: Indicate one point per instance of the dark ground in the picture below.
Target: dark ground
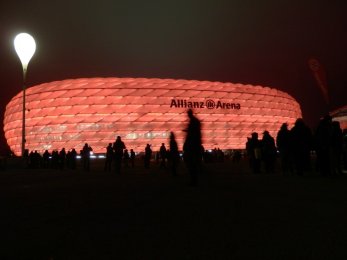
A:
(232, 214)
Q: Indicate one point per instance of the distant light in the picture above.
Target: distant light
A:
(25, 47)
(101, 156)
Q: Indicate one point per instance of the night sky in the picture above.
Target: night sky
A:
(252, 42)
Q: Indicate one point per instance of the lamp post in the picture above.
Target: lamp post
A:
(25, 47)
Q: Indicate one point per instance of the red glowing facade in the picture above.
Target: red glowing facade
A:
(70, 113)
(341, 116)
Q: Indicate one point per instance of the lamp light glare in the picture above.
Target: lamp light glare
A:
(25, 47)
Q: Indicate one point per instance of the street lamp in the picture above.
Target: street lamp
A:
(25, 47)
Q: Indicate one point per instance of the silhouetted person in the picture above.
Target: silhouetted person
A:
(268, 150)
(323, 145)
(109, 157)
(55, 159)
(132, 158)
(32, 160)
(253, 147)
(192, 147)
(26, 158)
(237, 156)
(302, 141)
(344, 149)
(86, 151)
(126, 158)
(45, 157)
(73, 155)
(284, 147)
(336, 148)
(163, 156)
(35, 158)
(173, 154)
(118, 147)
(62, 158)
(148, 155)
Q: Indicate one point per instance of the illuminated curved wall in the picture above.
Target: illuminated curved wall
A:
(69, 113)
(341, 116)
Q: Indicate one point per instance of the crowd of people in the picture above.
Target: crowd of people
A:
(293, 148)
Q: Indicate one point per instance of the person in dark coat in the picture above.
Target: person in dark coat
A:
(62, 158)
(322, 140)
(73, 156)
(109, 157)
(148, 155)
(301, 138)
(118, 149)
(173, 154)
(253, 147)
(126, 158)
(269, 152)
(283, 143)
(336, 148)
(344, 149)
(163, 156)
(86, 152)
(132, 158)
(46, 159)
(192, 147)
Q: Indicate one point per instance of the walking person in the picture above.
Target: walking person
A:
(118, 148)
(173, 154)
(62, 158)
(268, 152)
(132, 158)
(283, 142)
(192, 147)
(73, 156)
(126, 158)
(109, 157)
(163, 156)
(253, 147)
(148, 155)
(301, 138)
(86, 156)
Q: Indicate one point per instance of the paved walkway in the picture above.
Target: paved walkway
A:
(232, 214)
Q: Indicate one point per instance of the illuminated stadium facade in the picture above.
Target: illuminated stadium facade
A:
(341, 116)
(69, 113)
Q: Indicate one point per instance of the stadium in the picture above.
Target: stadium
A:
(69, 113)
(340, 115)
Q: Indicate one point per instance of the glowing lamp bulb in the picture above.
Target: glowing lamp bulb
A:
(25, 47)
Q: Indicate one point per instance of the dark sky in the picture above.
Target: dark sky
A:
(257, 42)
